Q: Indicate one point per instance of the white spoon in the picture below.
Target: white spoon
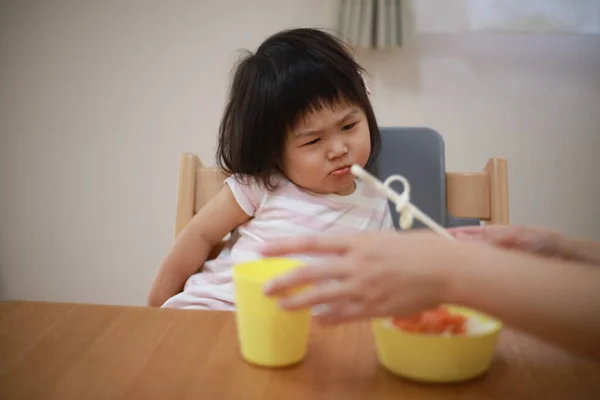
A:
(408, 211)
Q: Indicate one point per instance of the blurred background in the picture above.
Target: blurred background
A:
(98, 99)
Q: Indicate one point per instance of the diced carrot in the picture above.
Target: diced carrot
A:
(443, 311)
(431, 319)
(400, 323)
(412, 328)
(458, 329)
(435, 328)
(435, 321)
(415, 319)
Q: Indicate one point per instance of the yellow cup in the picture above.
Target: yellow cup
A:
(268, 335)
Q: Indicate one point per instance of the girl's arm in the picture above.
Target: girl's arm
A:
(553, 299)
(217, 218)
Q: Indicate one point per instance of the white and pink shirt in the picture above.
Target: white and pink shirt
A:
(285, 211)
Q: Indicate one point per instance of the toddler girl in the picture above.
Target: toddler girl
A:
(297, 118)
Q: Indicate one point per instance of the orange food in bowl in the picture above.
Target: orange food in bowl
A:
(439, 320)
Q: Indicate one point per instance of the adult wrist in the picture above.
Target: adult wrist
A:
(565, 248)
(461, 273)
(579, 250)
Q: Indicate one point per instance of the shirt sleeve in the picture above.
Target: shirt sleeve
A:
(247, 192)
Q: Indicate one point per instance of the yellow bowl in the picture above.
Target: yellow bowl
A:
(434, 358)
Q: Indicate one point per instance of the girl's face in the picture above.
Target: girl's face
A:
(320, 150)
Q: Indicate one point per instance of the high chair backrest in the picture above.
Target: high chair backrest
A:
(416, 153)
(449, 198)
(197, 184)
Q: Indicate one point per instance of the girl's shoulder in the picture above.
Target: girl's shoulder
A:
(255, 184)
(251, 193)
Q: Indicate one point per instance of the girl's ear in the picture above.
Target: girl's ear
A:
(362, 75)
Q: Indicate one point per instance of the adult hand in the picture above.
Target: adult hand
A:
(399, 274)
(369, 275)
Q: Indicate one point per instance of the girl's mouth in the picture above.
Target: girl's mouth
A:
(341, 172)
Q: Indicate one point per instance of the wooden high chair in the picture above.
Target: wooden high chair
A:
(482, 195)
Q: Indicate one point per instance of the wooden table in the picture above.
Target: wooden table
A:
(77, 351)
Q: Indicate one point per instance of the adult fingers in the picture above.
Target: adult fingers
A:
(304, 276)
(309, 244)
(322, 294)
(471, 233)
(467, 230)
(343, 312)
(497, 234)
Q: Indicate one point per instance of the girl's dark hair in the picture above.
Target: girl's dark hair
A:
(292, 73)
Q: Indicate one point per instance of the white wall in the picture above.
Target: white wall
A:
(452, 16)
(98, 99)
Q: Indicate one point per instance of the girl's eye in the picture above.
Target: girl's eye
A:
(312, 142)
(348, 127)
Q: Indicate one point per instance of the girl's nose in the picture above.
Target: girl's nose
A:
(337, 149)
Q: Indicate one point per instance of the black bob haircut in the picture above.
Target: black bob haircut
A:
(291, 74)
